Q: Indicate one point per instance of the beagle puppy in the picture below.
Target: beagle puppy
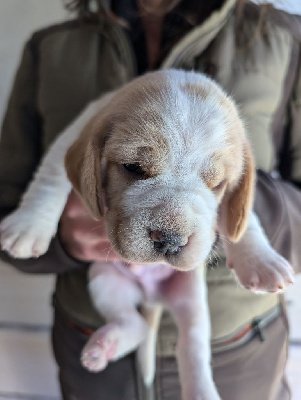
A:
(166, 162)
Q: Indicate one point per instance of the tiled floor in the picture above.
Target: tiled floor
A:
(26, 364)
(27, 370)
(293, 297)
(294, 371)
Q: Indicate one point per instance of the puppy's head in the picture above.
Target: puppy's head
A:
(168, 160)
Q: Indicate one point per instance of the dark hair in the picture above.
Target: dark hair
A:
(96, 9)
(86, 8)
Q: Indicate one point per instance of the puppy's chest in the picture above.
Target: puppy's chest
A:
(149, 276)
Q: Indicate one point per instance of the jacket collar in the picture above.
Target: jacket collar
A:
(199, 38)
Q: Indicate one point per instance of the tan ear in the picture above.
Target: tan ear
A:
(240, 200)
(83, 163)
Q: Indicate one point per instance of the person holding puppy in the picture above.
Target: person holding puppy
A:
(253, 53)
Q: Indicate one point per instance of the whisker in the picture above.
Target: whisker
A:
(225, 238)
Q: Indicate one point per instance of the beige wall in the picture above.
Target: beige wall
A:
(18, 19)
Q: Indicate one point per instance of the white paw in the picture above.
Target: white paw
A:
(113, 341)
(100, 349)
(24, 235)
(262, 271)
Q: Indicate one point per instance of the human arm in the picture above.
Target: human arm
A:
(83, 237)
(20, 153)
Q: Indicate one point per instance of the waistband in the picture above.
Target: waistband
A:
(235, 339)
(247, 332)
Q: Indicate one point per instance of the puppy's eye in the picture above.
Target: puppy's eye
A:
(219, 186)
(134, 169)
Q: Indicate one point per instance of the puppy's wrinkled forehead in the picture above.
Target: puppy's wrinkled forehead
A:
(170, 118)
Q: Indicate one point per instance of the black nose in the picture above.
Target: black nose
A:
(168, 243)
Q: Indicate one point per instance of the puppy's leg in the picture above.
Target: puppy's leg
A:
(28, 231)
(115, 296)
(256, 264)
(147, 349)
(186, 296)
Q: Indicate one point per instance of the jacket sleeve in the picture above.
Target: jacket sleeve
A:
(20, 153)
(278, 201)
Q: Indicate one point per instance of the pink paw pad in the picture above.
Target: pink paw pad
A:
(95, 357)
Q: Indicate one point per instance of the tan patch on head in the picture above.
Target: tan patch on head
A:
(127, 130)
(151, 155)
(233, 156)
(225, 102)
(137, 116)
(212, 175)
(195, 89)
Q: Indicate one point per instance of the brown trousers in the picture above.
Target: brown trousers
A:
(252, 371)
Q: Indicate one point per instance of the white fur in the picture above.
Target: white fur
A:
(117, 289)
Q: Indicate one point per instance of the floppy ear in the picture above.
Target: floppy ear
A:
(83, 164)
(237, 204)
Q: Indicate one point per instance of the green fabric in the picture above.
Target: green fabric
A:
(242, 306)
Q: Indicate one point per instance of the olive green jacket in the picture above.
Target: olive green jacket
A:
(66, 66)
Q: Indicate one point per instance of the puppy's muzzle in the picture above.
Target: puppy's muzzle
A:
(168, 243)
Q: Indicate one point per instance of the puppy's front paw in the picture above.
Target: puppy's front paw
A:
(262, 271)
(24, 235)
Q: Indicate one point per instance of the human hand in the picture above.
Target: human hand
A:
(82, 237)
